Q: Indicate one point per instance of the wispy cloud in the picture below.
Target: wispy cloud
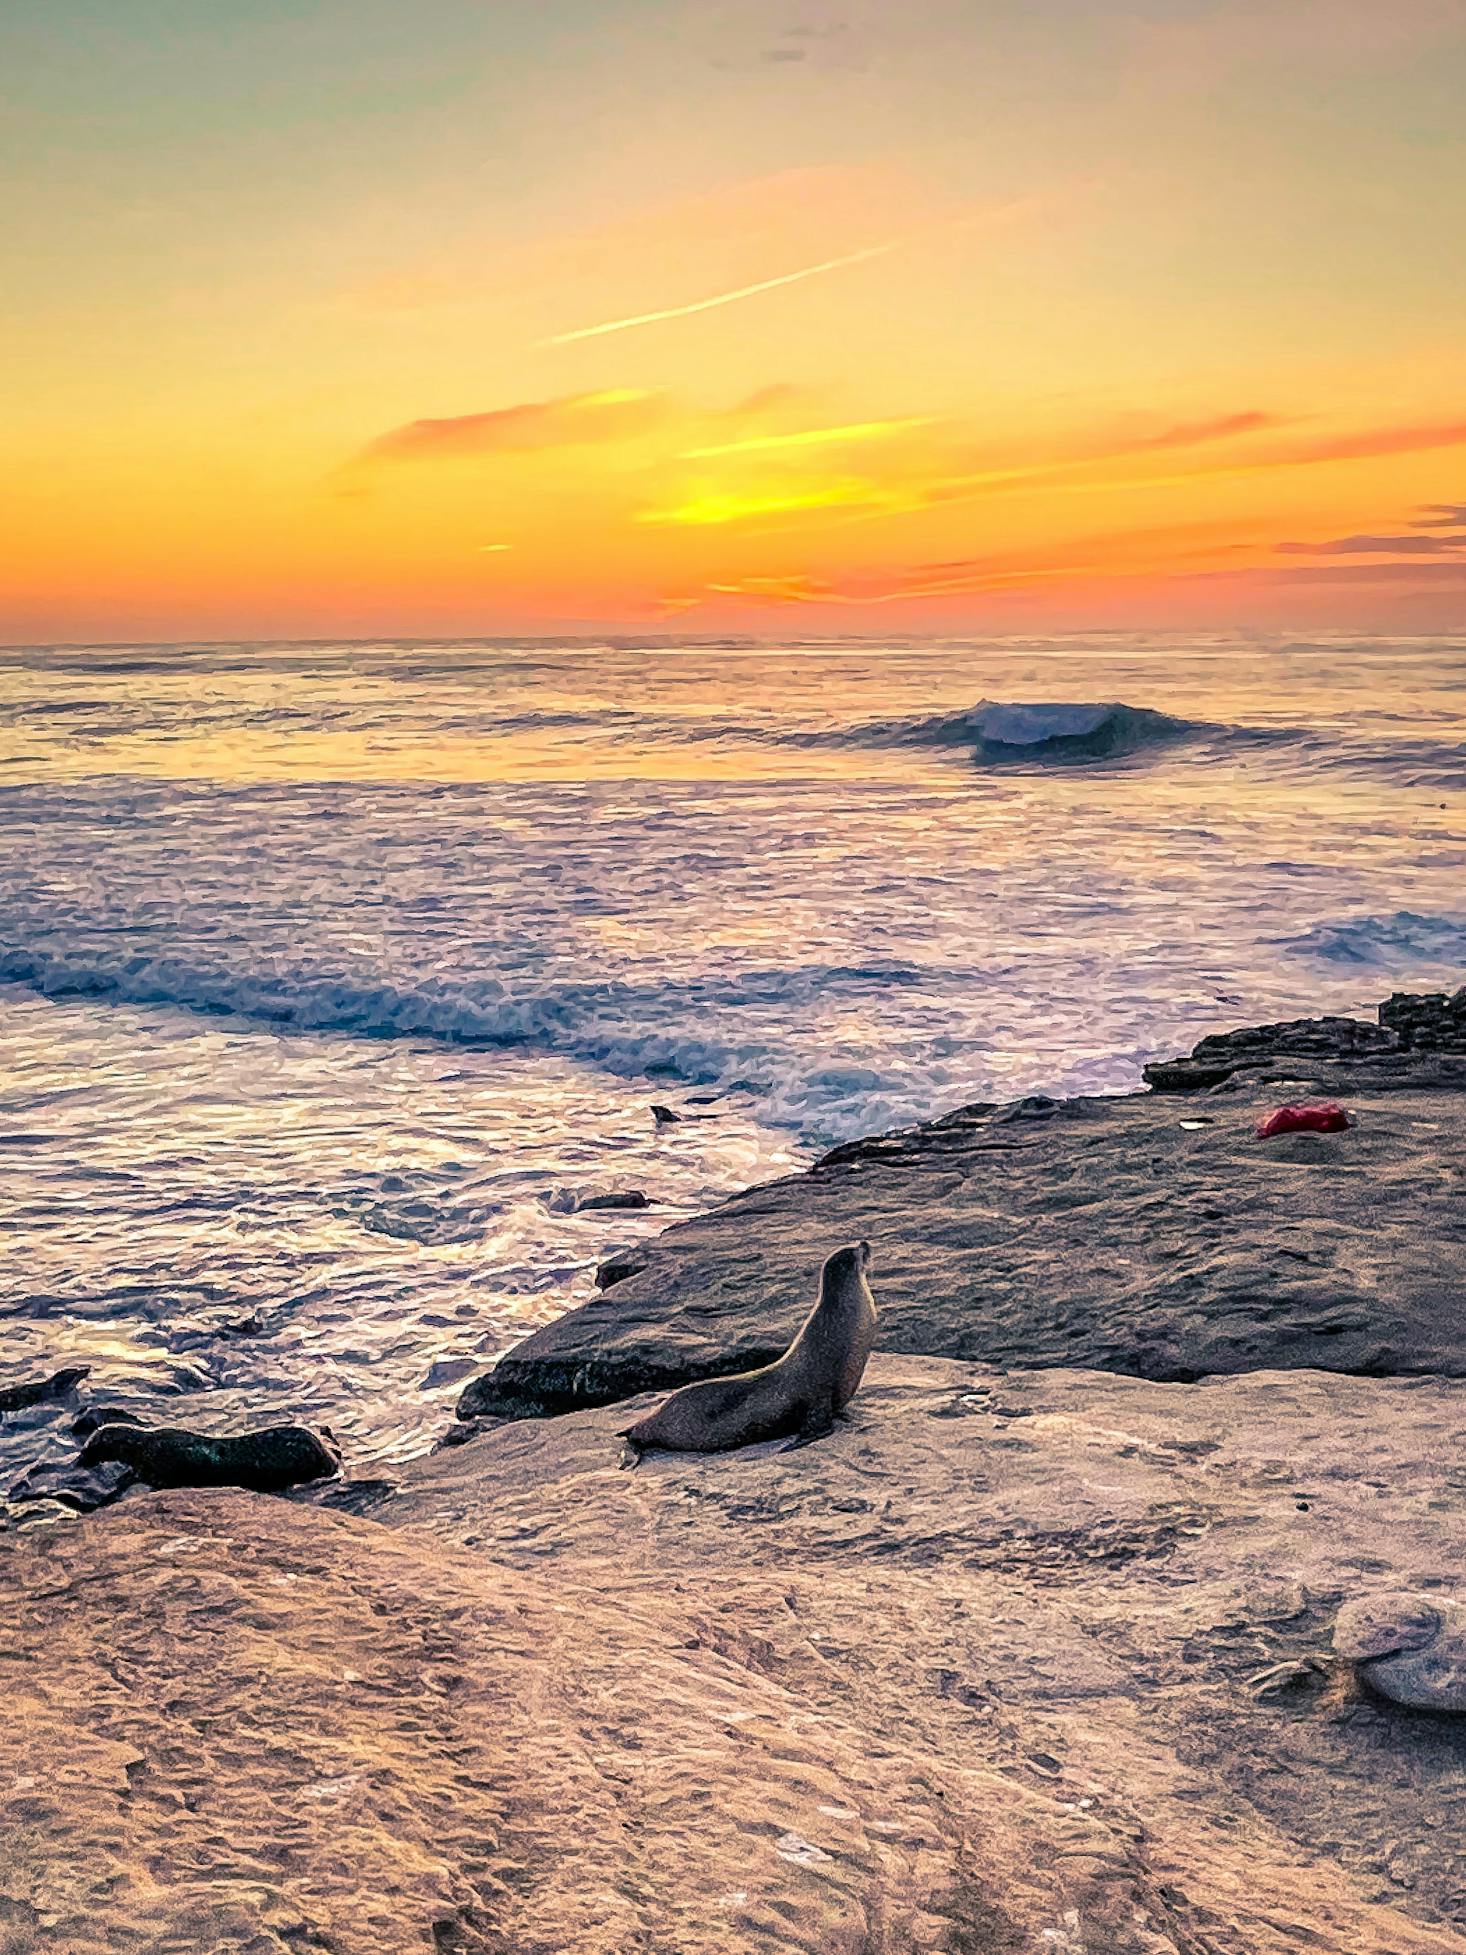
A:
(1411, 544)
(654, 425)
(1194, 434)
(1086, 565)
(716, 508)
(855, 431)
(1167, 549)
(924, 472)
(1414, 438)
(893, 588)
(1449, 571)
(1437, 529)
(1075, 475)
(569, 421)
(794, 589)
(1108, 448)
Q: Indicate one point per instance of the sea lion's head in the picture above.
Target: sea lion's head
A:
(113, 1441)
(305, 1454)
(851, 1261)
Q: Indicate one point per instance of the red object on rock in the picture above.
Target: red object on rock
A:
(1317, 1117)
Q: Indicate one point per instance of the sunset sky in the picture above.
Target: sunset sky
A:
(347, 317)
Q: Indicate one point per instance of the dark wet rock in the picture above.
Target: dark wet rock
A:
(1132, 1234)
(97, 1416)
(1430, 1021)
(251, 1326)
(1262, 1047)
(1418, 1024)
(664, 1116)
(356, 1496)
(629, 1198)
(39, 1391)
(620, 1264)
(171, 1456)
(72, 1487)
(475, 1426)
(447, 1371)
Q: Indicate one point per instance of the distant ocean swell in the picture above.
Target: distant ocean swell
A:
(1012, 735)
(1047, 734)
(1069, 734)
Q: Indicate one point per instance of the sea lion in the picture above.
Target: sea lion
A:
(20, 1398)
(171, 1456)
(1408, 1648)
(797, 1394)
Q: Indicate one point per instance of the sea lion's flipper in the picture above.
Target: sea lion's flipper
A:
(818, 1423)
(630, 1454)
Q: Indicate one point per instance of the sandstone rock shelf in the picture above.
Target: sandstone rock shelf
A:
(1012, 1663)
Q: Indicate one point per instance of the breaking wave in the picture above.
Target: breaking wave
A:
(627, 1029)
(997, 733)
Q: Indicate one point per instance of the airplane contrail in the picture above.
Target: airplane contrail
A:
(972, 220)
(726, 298)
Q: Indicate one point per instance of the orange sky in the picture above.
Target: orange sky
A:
(773, 318)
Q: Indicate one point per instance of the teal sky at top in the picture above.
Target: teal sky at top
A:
(268, 121)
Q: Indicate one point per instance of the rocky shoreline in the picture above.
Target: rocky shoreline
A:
(1150, 1234)
(1035, 1655)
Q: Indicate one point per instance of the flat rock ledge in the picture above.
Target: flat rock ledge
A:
(1025, 1664)
(1149, 1234)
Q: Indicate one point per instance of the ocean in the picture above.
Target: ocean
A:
(334, 978)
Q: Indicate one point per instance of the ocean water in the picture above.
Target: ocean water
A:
(333, 978)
